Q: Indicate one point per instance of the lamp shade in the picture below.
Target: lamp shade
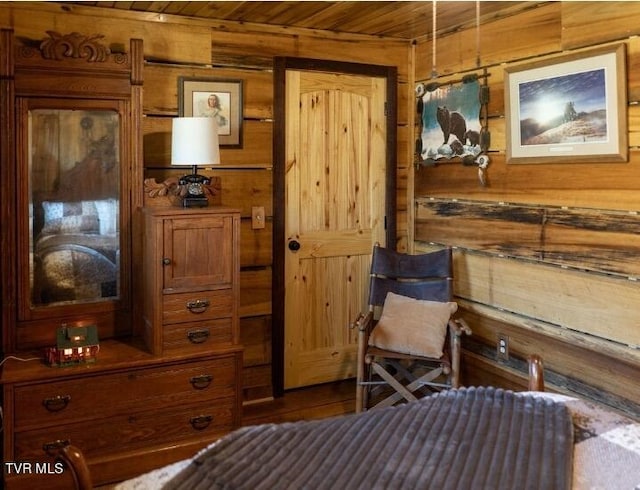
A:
(194, 141)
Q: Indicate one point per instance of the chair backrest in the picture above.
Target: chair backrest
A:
(426, 276)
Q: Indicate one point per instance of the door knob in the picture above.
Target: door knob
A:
(294, 245)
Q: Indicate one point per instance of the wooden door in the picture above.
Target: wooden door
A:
(334, 208)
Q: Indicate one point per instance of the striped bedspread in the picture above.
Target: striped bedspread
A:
(473, 438)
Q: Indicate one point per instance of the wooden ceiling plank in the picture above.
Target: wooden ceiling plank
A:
(298, 17)
(158, 7)
(173, 8)
(275, 13)
(384, 21)
(214, 10)
(191, 9)
(122, 5)
(336, 12)
(405, 20)
(141, 6)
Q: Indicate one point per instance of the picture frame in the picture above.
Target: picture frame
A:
(213, 97)
(568, 109)
(450, 125)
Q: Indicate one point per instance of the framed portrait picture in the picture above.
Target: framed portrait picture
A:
(219, 98)
(571, 108)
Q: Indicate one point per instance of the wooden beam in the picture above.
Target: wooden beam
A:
(602, 241)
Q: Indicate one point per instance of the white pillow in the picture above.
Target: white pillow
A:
(412, 326)
(107, 216)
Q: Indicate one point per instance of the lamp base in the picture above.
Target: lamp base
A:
(195, 202)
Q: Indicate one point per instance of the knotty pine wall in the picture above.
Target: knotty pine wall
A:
(546, 254)
(175, 47)
(578, 312)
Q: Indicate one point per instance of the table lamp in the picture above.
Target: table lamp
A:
(194, 142)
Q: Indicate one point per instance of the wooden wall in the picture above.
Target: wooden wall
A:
(175, 47)
(546, 254)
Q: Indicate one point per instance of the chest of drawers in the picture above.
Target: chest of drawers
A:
(157, 397)
(128, 413)
(191, 278)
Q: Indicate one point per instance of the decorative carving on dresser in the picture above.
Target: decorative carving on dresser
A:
(170, 192)
(74, 45)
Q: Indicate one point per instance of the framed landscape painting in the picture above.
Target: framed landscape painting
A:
(568, 109)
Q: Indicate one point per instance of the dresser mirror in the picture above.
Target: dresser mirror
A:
(71, 174)
(74, 201)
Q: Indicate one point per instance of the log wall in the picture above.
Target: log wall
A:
(178, 47)
(545, 254)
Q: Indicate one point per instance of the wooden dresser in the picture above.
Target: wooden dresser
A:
(141, 406)
(129, 412)
(166, 378)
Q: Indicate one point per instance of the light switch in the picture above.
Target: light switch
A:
(257, 217)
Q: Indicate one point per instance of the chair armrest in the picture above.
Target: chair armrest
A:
(364, 322)
(459, 326)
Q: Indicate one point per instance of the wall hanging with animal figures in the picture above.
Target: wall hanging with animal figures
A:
(451, 125)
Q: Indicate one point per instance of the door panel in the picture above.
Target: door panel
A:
(335, 201)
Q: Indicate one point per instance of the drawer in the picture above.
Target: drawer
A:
(136, 430)
(197, 306)
(102, 396)
(198, 336)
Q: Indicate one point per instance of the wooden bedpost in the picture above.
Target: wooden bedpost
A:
(536, 373)
(73, 458)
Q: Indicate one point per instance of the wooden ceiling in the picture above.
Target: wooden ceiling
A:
(396, 19)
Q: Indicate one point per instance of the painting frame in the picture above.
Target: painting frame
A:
(556, 136)
(450, 121)
(214, 97)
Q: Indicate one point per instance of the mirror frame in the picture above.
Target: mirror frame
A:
(70, 71)
(28, 309)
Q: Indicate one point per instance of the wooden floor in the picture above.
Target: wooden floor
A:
(316, 402)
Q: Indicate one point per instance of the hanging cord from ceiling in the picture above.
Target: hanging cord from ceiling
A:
(480, 160)
(483, 160)
(434, 25)
(478, 33)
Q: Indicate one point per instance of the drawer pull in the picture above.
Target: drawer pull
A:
(198, 305)
(198, 336)
(201, 422)
(53, 446)
(201, 382)
(56, 403)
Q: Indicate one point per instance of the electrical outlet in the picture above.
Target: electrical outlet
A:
(503, 347)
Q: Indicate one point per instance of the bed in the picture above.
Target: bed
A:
(476, 437)
(76, 252)
(584, 447)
